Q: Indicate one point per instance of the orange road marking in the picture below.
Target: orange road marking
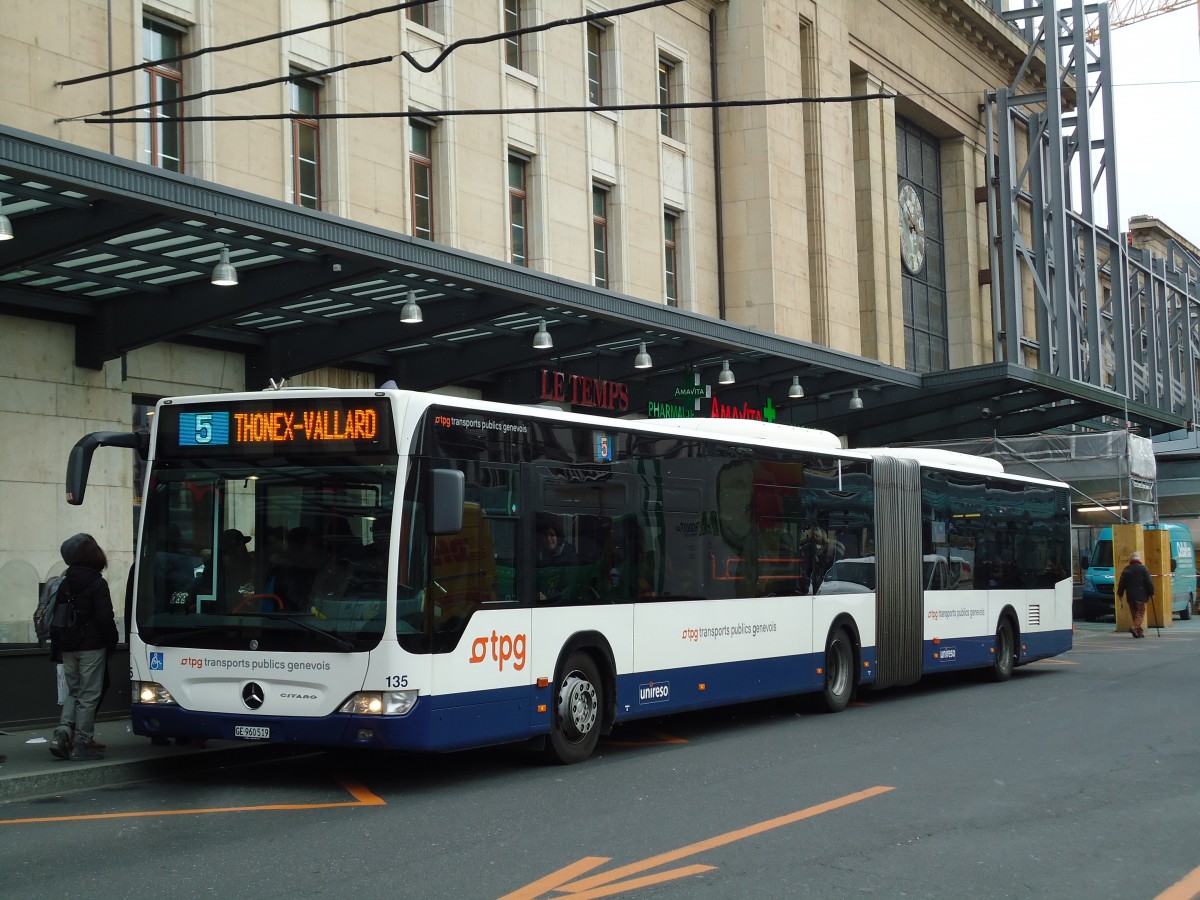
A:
(659, 738)
(554, 879)
(602, 885)
(644, 881)
(1054, 662)
(1185, 889)
(360, 793)
(362, 797)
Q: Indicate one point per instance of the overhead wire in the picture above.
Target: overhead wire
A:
(532, 29)
(248, 42)
(412, 60)
(445, 113)
(297, 76)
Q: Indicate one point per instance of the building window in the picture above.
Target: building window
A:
(597, 37)
(671, 257)
(513, 44)
(419, 14)
(922, 244)
(163, 83)
(600, 235)
(518, 208)
(306, 143)
(421, 171)
(666, 95)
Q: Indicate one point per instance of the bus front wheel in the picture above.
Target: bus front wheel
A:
(578, 702)
(839, 670)
(1005, 658)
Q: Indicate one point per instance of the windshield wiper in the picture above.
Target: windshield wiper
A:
(341, 643)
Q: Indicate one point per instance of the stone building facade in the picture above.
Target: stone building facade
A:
(853, 225)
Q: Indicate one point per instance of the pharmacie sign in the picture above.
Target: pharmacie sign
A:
(695, 400)
(685, 402)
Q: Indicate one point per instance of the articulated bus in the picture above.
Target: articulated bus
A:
(389, 569)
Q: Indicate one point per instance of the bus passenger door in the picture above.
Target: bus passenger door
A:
(480, 629)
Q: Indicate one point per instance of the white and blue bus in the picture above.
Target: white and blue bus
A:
(389, 569)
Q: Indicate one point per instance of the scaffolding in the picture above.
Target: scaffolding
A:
(1112, 474)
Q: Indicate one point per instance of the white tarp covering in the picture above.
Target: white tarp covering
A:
(1102, 466)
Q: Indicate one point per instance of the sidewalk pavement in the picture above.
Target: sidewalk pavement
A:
(30, 771)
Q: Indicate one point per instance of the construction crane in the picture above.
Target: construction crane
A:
(1127, 12)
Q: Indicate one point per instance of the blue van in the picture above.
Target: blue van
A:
(1097, 597)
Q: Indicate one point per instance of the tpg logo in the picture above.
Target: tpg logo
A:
(654, 692)
(504, 648)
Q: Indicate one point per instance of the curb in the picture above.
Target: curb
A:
(75, 776)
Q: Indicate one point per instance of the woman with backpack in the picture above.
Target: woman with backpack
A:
(85, 644)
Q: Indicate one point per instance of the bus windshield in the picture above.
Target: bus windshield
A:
(277, 554)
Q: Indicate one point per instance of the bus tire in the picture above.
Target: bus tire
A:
(1186, 612)
(578, 703)
(1004, 659)
(839, 670)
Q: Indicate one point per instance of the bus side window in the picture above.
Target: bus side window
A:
(575, 536)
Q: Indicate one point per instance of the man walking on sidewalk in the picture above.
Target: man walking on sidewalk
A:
(1136, 587)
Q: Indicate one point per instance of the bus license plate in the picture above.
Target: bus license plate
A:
(252, 732)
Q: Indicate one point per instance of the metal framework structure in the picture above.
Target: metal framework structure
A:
(1070, 299)
(1127, 12)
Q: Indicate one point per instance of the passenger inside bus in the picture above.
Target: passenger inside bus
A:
(235, 569)
(555, 551)
(292, 579)
(559, 558)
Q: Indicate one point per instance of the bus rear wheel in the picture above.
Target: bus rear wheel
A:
(839, 670)
(1005, 658)
(578, 701)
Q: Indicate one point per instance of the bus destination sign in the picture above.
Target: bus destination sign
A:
(283, 426)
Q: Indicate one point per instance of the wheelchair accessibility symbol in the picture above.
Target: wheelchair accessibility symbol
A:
(156, 662)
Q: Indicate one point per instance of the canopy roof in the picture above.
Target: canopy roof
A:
(125, 253)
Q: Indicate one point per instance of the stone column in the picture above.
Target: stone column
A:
(881, 313)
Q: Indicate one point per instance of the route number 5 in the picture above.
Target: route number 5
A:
(204, 429)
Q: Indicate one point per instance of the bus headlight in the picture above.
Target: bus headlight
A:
(380, 703)
(152, 692)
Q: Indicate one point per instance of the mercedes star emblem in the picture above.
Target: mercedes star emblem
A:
(252, 695)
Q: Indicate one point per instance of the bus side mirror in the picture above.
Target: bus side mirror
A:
(444, 493)
(1174, 565)
(1083, 560)
(79, 463)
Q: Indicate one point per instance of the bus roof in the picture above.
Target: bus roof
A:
(765, 433)
(946, 459)
(768, 432)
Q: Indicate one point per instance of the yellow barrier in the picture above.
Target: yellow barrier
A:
(1155, 550)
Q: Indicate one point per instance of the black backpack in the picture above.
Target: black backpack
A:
(45, 608)
(67, 623)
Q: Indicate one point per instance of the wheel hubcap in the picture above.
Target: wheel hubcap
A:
(837, 667)
(577, 706)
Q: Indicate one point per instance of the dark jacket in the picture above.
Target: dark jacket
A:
(1136, 584)
(89, 593)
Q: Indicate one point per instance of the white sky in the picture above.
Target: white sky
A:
(1156, 97)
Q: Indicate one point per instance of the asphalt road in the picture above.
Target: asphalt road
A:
(1075, 779)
